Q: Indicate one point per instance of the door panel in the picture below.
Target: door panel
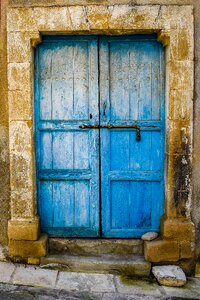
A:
(66, 79)
(132, 171)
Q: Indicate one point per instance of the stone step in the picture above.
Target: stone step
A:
(130, 265)
(95, 246)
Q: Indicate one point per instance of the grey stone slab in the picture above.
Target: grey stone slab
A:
(133, 265)
(6, 271)
(96, 246)
(169, 275)
(112, 296)
(85, 282)
(33, 276)
(190, 291)
(137, 287)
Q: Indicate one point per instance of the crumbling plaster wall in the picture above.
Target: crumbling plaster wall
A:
(4, 162)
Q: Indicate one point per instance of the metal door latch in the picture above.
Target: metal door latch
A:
(110, 126)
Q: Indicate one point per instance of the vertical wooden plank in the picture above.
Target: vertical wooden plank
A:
(156, 163)
(119, 81)
(81, 150)
(141, 200)
(140, 152)
(82, 204)
(46, 150)
(46, 203)
(63, 157)
(134, 80)
(45, 67)
(120, 149)
(145, 66)
(156, 86)
(81, 81)
(119, 204)
(62, 82)
(63, 204)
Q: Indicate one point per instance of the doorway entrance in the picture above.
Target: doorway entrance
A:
(99, 107)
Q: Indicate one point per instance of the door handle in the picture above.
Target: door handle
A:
(110, 126)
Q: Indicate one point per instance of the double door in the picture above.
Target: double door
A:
(99, 115)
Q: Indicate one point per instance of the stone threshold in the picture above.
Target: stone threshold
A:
(96, 286)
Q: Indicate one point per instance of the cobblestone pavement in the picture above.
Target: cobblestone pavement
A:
(29, 282)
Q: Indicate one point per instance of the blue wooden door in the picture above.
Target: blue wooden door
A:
(132, 159)
(66, 85)
(100, 131)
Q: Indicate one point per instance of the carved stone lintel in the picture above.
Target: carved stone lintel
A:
(35, 39)
(164, 37)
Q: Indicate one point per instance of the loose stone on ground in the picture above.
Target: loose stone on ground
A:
(149, 236)
(169, 275)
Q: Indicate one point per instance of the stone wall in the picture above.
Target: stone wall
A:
(185, 202)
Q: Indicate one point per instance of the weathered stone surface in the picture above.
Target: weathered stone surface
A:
(19, 47)
(169, 275)
(20, 105)
(35, 277)
(20, 76)
(53, 19)
(187, 250)
(181, 105)
(149, 236)
(83, 282)
(29, 248)
(175, 229)
(96, 246)
(33, 261)
(6, 271)
(116, 264)
(181, 75)
(161, 250)
(23, 230)
(135, 286)
(78, 16)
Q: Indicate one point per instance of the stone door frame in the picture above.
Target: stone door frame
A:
(174, 27)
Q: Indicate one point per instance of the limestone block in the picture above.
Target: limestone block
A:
(20, 105)
(187, 250)
(33, 261)
(23, 203)
(169, 275)
(19, 47)
(78, 18)
(142, 18)
(178, 230)
(133, 18)
(7, 270)
(34, 276)
(83, 282)
(161, 250)
(21, 154)
(179, 137)
(98, 17)
(182, 44)
(181, 104)
(23, 230)
(181, 75)
(29, 248)
(20, 76)
(52, 19)
(21, 19)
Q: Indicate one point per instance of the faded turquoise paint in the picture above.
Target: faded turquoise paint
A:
(106, 80)
(67, 157)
